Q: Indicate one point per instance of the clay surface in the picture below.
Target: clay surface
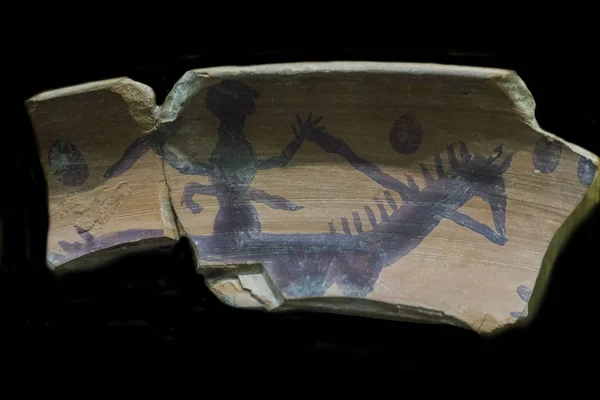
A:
(82, 131)
(421, 192)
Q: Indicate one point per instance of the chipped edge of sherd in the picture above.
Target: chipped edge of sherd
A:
(192, 81)
(251, 287)
(141, 101)
(196, 79)
(304, 68)
(182, 92)
(560, 239)
(524, 105)
(140, 97)
(78, 89)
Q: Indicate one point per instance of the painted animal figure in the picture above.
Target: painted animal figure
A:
(308, 264)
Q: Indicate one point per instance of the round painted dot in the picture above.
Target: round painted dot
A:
(67, 163)
(586, 171)
(546, 155)
(406, 134)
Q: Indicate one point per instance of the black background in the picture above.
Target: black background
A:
(154, 312)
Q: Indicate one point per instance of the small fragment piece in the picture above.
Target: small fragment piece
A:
(244, 287)
(84, 134)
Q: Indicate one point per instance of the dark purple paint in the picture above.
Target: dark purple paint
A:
(524, 293)
(233, 164)
(91, 244)
(67, 163)
(546, 155)
(390, 200)
(306, 265)
(132, 154)
(345, 226)
(371, 216)
(357, 222)
(515, 314)
(426, 174)
(412, 185)
(586, 170)
(275, 202)
(190, 190)
(406, 134)
(382, 210)
(331, 227)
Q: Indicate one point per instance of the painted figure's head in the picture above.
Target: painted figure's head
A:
(484, 179)
(231, 101)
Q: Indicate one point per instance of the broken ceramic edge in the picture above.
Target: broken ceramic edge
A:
(141, 105)
(520, 96)
(561, 237)
(507, 81)
(249, 286)
(76, 89)
(580, 151)
(172, 226)
(193, 81)
(363, 67)
(369, 308)
(97, 259)
(141, 100)
(139, 97)
(186, 87)
(242, 286)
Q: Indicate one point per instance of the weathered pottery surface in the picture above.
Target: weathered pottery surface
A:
(411, 191)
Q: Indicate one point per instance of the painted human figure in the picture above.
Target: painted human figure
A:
(234, 163)
(231, 167)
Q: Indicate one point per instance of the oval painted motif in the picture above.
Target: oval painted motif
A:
(524, 293)
(546, 155)
(586, 171)
(67, 163)
(406, 134)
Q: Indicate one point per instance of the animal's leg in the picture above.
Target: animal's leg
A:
(332, 227)
(439, 165)
(390, 200)
(426, 174)
(382, 210)
(371, 216)
(357, 222)
(345, 226)
(478, 227)
(356, 274)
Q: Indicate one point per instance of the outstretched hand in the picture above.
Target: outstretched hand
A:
(309, 130)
